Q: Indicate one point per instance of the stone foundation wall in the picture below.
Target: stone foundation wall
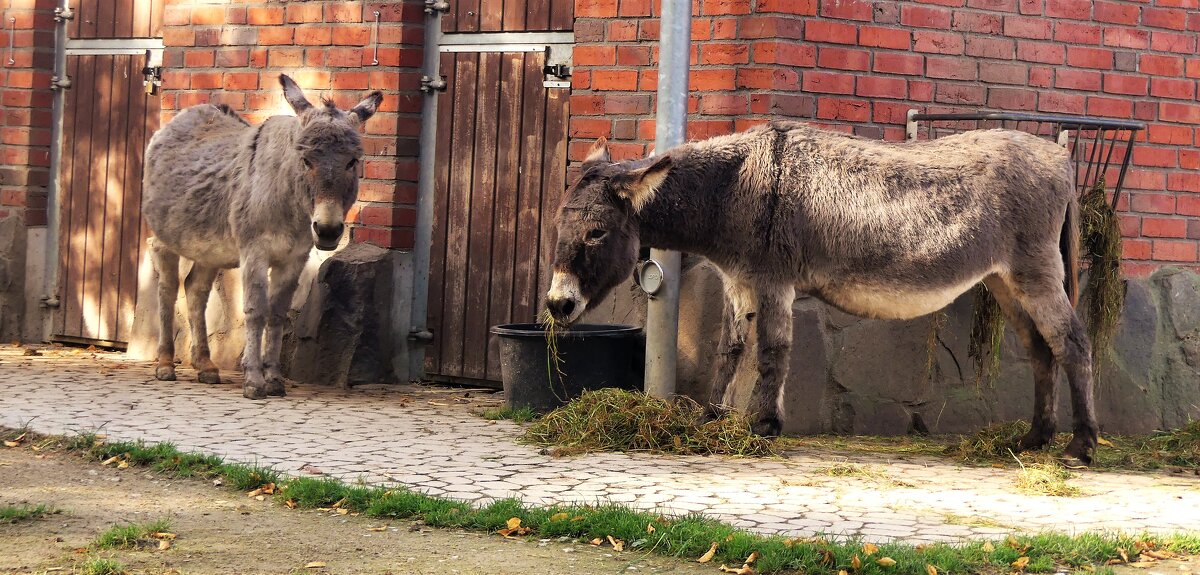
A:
(12, 276)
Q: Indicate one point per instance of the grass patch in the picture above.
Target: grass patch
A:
(517, 414)
(686, 537)
(131, 535)
(101, 566)
(15, 513)
(620, 420)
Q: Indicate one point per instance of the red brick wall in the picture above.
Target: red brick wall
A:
(233, 53)
(25, 101)
(859, 65)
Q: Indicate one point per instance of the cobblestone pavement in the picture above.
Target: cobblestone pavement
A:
(427, 439)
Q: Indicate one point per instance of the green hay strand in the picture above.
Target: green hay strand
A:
(1103, 296)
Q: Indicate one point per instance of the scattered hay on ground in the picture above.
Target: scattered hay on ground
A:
(990, 442)
(619, 420)
(1048, 478)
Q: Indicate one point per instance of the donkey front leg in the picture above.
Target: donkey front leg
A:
(774, 344)
(735, 327)
(254, 306)
(198, 284)
(166, 266)
(284, 280)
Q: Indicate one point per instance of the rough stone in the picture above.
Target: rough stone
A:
(12, 277)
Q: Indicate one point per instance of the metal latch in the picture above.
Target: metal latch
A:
(557, 70)
(152, 76)
(431, 84)
(62, 14)
(556, 73)
(432, 6)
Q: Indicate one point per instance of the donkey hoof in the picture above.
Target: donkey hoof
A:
(165, 373)
(254, 392)
(767, 427)
(275, 388)
(1078, 452)
(209, 376)
(713, 412)
(1035, 440)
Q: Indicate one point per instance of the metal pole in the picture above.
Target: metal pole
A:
(60, 83)
(431, 85)
(662, 312)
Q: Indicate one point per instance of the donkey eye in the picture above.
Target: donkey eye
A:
(353, 162)
(307, 164)
(596, 234)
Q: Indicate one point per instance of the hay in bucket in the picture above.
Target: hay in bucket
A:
(620, 420)
(1103, 296)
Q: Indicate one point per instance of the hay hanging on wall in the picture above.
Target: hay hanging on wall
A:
(987, 335)
(1104, 294)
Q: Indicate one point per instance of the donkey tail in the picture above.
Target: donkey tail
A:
(1068, 245)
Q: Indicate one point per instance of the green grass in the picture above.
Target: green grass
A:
(130, 535)
(685, 537)
(101, 566)
(15, 513)
(518, 414)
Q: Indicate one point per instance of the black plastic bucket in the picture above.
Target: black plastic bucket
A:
(591, 356)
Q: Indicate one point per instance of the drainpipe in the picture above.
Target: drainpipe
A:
(431, 84)
(59, 83)
(662, 312)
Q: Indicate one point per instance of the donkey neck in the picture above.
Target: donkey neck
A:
(688, 211)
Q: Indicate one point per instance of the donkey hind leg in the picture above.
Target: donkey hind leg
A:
(254, 306)
(1051, 311)
(284, 280)
(774, 323)
(1041, 359)
(735, 327)
(166, 266)
(197, 285)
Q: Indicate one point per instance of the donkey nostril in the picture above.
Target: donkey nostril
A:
(568, 307)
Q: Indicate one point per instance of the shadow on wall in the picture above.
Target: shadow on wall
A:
(12, 276)
(854, 375)
(342, 326)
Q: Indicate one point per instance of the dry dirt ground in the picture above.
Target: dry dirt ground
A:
(223, 531)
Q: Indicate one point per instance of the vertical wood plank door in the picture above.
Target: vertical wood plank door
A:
(501, 169)
(107, 122)
(97, 19)
(509, 16)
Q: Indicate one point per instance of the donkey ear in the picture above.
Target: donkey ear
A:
(597, 154)
(293, 94)
(638, 186)
(366, 108)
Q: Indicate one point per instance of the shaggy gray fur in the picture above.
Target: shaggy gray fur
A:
(224, 194)
(877, 229)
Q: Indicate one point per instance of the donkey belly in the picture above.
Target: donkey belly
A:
(891, 302)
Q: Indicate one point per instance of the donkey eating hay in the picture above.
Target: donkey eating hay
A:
(875, 229)
(224, 194)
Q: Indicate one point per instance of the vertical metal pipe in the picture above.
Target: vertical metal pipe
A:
(419, 335)
(60, 84)
(662, 313)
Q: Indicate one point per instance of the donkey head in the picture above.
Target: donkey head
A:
(598, 229)
(329, 148)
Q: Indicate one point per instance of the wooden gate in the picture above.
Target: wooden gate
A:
(502, 160)
(107, 120)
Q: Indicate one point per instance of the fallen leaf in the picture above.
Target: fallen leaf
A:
(1020, 563)
(869, 549)
(843, 572)
(254, 493)
(560, 516)
(789, 542)
(163, 535)
(339, 511)
(12, 443)
(1123, 554)
(596, 541)
(712, 550)
(729, 538)
(268, 489)
(1160, 554)
(342, 501)
(744, 570)
(649, 528)
(110, 460)
(752, 558)
(826, 557)
(856, 563)
(1088, 568)
(514, 523)
(617, 544)
(1113, 562)
(1012, 542)
(886, 561)
(378, 529)
(290, 503)
(930, 569)
(1104, 442)
(164, 544)
(29, 351)
(988, 547)
(314, 565)
(218, 482)
(123, 464)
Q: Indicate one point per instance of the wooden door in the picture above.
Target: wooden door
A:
(509, 16)
(107, 121)
(501, 153)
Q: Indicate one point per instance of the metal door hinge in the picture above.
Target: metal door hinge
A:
(432, 6)
(558, 70)
(63, 14)
(57, 83)
(420, 336)
(152, 75)
(430, 84)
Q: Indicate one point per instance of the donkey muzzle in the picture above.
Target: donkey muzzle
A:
(565, 300)
(326, 236)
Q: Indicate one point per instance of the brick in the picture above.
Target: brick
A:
(1164, 18)
(1152, 203)
(1175, 250)
(881, 87)
(1171, 42)
(1189, 159)
(1025, 27)
(595, 55)
(847, 10)
(790, 105)
(304, 13)
(711, 79)
(1155, 227)
(1169, 134)
(977, 22)
(1073, 9)
(843, 58)
(233, 58)
(199, 58)
(876, 37)
(998, 48)
(1012, 99)
(843, 110)
(937, 42)
(314, 35)
(208, 15)
(1186, 182)
(590, 128)
(240, 81)
(347, 12)
(719, 7)
(275, 36)
(1129, 85)
(264, 16)
(1125, 60)
(1109, 107)
(1126, 38)
(1084, 57)
(1077, 80)
(1004, 73)
(951, 68)
(634, 8)
(828, 82)
(1077, 33)
(1172, 88)
(801, 7)
(919, 16)
(627, 103)
(1040, 52)
(352, 36)
(621, 31)
(615, 80)
(205, 80)
(833, 32)
(963, 94)
(1061, 102)
(771, 27)
(768, 78)
(1135, 249)
(785, 53)
(724, 104)
(1116, 13)
(725, 53)
(899, 63)
(595, 8)
(1155, 157)
(1177, 112)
